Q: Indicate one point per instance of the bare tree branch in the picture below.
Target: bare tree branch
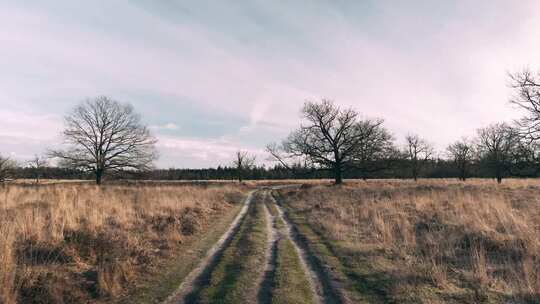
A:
(527, 98)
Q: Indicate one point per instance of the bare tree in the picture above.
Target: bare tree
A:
(462, 153)
(105, 135)
(527, 86)
(375, 149)
(526, 158)
(331, 138)
(418, 152)
(37, 164)
(243, 162)
(7, 167)
(496, 145)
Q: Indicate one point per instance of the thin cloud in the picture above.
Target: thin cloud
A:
(168, 126)
(192, 152)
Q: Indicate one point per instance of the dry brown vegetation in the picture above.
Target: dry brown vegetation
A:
(432, 241)
(78, 243)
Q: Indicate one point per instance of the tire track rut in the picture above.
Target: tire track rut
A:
(325, 289)
(194, 279)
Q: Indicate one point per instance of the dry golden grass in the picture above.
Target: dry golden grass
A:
(434, 241)
(75, 243)
(45, 181)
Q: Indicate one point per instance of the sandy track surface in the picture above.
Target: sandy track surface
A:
(265, 289)
(189, 283)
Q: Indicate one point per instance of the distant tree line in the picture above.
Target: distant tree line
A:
(434, 168)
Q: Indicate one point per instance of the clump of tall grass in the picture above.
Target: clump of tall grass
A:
(78, 242)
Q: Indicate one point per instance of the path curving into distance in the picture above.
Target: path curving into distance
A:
(282, 260)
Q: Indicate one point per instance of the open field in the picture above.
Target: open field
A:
(426, 242)
(376, 241)
(78, 243)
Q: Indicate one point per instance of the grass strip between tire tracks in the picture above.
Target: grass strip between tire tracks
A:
(234, 278)
(290, 282)
(324, 254)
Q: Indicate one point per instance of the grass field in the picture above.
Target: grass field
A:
(426, 242)
(77, 243)
(379, 241)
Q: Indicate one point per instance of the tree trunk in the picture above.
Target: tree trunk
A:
(338, 174)
(99, 175)
(498, 173)
(414, 170)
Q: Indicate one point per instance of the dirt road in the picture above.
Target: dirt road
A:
(260, 259)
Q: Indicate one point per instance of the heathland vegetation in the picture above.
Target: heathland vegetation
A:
(79, 243)
(434, 241)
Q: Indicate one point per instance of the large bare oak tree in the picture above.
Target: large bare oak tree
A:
(332, 138)
(105, 135)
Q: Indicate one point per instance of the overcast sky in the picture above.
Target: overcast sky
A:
(211, 77)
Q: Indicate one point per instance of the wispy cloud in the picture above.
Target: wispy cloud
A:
(167, 126)
(216, 77)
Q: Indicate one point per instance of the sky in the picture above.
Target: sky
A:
(212, 77)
